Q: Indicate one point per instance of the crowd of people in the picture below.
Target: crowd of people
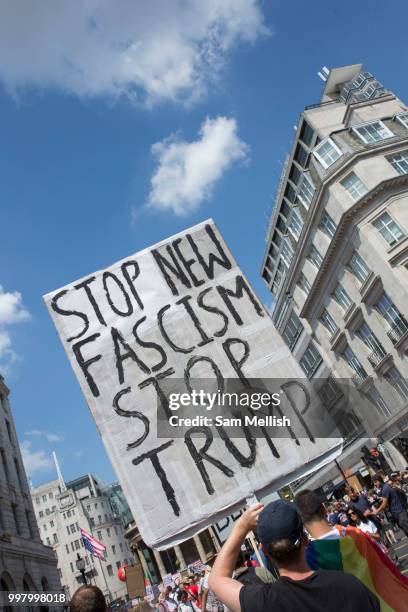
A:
(313, 556)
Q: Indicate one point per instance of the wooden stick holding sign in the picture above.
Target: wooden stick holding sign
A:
(251, 501)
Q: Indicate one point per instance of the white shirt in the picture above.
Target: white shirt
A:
(368, 527)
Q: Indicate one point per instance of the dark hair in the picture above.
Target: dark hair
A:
(88, 598)
(310, 506)
(358, 513)
(284, 551)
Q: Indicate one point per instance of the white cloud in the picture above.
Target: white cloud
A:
(187, 171)
(152, 50)
(50, 436)
(11, 308)
(35, 461)
(11, 311)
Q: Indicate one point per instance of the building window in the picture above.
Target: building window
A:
(301, 156)
(108, 531)
(117, 564)
(44, 527)
(110, 570)
(329, 392)
(48, 541)
(396, 321)
(403, 119)
(116, 530)
(376, 398)
(388, 228)
(315, 257)
(295, 224)
(37, 501)
(393, 376)
(67, 548)
(350, 358)
(121, 546)
(51, 523)
(327, 320)
(72, 546)
(279, 275)
(399, 162)
(327, 225)
(72, 567)
(354, 186)
(310, 361)
(50, 495)
(44, 498)
(327, 152)
(287, 252)
(342, 298)
(99, 518)
(77, 545)
(16, 519)
(306, 191)
(92, 521)
(99, 535)
(41, 514)
(372, 132)
(359, 267)
(377, 353)
(306, 133)
(292, 331)
(18, 472)
(304, 283)
(113, 549)
(29, 524)
(8, 427)
(54, 535)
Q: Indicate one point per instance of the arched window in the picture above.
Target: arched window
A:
(7, 584)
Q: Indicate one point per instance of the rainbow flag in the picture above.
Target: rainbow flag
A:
(355, 552)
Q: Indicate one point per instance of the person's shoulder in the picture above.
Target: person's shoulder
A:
(339, 577)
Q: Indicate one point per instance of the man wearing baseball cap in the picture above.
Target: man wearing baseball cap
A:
(280, 531)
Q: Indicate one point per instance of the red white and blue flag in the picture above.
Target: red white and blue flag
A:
(96, 548)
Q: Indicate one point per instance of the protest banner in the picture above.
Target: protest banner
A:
(181, 310)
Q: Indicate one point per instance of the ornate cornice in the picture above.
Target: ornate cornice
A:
(346, 221)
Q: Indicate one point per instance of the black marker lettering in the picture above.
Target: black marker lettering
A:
(129, 279)
(209, 268)
(237, 365)
(69, 313)
(85, 363)
(186, 303)
(85, 285)
(214, 310)
(201, 454)
(174, 267)
(177, 349)
(118, 342)
(133, 414)
(119, 284)
(240, 287)
(167, 488)
(151, 345)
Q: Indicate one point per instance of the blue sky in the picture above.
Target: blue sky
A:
(76, 159)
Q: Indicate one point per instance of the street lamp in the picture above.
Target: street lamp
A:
(80, 564)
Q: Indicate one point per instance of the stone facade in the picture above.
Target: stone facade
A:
(25, 563)
(61, 510)
(337, 254)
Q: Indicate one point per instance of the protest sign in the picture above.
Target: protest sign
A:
(183, 310)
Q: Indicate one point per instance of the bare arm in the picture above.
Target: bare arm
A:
(220, 581)
(382, 506)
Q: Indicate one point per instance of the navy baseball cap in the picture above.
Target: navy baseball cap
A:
(279, 520)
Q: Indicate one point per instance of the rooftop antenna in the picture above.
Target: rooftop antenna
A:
(325, 70)
(322, 76)
(59, 473)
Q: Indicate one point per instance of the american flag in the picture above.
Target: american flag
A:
(96, 548)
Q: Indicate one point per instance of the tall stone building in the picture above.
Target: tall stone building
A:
(337, 254)
(61, 510)
(26, 564)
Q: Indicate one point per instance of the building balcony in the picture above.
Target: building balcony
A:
(361, 380)
(380, 360)
(398, 332)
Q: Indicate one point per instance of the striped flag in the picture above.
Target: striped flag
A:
(96, 548)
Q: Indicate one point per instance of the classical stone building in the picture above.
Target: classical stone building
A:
(26, 564)
(337, 254)
(62, 509)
